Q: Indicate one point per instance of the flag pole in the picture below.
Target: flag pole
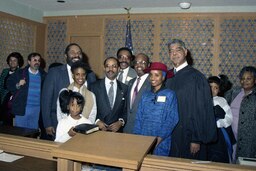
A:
(128, 40)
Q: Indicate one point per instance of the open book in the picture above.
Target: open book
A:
(86, 128)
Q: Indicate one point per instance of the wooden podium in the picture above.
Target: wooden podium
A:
(105, 148)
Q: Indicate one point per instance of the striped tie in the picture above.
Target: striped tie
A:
(111, 94)
(135, 92)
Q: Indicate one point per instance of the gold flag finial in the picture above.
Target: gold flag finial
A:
(128, 11)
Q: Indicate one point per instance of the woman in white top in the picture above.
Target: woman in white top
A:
(78, 70)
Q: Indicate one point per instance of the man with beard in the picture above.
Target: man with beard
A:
(126, 73)
(57, 78)
(25, 86)
(136, 87)
(111, 97)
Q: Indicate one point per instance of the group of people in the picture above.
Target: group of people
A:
(190, 116)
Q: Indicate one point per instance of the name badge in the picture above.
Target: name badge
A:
(161, 98)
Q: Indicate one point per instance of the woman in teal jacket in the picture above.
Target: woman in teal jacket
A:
(15, 61)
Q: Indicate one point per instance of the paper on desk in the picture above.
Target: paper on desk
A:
(9, 157)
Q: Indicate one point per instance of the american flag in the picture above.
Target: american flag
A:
(128, 38)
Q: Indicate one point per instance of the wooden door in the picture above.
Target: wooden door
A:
(91, 45)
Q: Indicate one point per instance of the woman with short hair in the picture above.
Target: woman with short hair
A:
(242, 101)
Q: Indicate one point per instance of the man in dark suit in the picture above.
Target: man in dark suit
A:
(136, 87)
(126, 73)
(111, 111)
(57, 78)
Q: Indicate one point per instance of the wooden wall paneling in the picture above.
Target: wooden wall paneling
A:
(40, 42)
(216, 49)
(156, 49)
(20, 35)
(56, 39)
(85, 24)
(91, 45)
(237, 44)
(203, 33)
(88, 31)
(142, 30)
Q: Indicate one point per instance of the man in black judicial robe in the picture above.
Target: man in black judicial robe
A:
(197, 125)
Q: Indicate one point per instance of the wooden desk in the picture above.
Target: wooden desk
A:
(160, 163)
(29, 164)
(27, 146)
(25, 132)
(106, 148)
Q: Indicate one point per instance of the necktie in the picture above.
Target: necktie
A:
(111, 94)
(135, 92)
(120, 77)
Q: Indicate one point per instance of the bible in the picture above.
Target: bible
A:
(86, 128)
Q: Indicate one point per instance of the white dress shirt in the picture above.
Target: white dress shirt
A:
(125, 73)
(181, 66)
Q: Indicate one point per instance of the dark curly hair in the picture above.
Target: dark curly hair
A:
(16, 55)
(79, 64)
(66, 96)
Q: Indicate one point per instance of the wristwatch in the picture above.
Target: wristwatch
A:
(122, 121)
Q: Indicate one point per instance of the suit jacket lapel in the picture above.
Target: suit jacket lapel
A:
(65, 75)
(131, 74)
(104, 92)
(130, 91)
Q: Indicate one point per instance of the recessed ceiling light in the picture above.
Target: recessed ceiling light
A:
(185, 5)
(61, 1)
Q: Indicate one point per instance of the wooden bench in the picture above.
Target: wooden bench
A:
(19, 131)
(157, 163)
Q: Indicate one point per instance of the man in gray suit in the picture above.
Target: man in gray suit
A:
(126, 73)
(136, 87)
(111, 111)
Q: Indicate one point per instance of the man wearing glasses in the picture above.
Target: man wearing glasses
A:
(136, 87)
(25, 86)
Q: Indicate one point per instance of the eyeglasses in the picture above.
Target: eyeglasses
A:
(140, 62)
(36, 60)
